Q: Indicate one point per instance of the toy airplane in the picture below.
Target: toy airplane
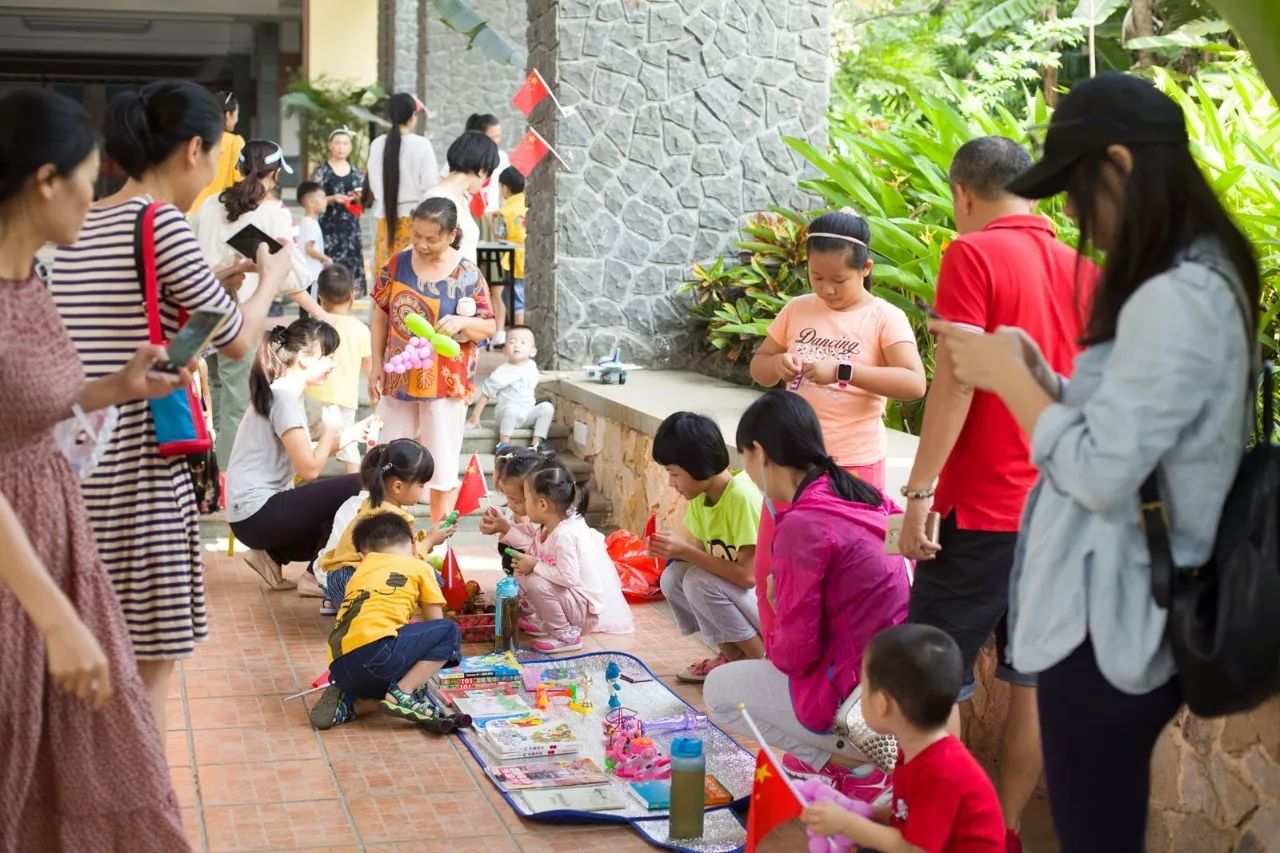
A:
(611, 370)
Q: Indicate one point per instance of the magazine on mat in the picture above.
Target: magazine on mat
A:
(494, 706)
(601, 798)
(549, 774)
(447, 696)
(533, 736)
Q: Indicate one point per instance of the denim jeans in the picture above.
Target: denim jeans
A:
(367, 671)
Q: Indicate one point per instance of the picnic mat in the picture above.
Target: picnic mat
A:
(726, 760)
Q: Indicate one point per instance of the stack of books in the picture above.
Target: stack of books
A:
(531, 736)
(479, 670)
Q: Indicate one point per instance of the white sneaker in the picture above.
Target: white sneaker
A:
(269, 570)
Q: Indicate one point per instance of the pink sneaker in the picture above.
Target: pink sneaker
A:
(531, 627)
(567, 641)
(696, 673)
(868, 783)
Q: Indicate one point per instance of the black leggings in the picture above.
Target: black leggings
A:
(1097, 745)
(294, 525)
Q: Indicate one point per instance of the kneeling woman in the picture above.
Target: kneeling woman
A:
(283, 524)
(833, 588)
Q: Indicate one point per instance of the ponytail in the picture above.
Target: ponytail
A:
(403, 458)
(245, 195)
(553, 481)
(784, 426)
(400, 108)
(279, 351)
(141, 129)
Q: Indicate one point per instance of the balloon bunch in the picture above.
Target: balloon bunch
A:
(442, 344)
(416, 354)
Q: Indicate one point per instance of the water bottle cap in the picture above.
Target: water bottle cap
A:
(686, 747)
(508, 587)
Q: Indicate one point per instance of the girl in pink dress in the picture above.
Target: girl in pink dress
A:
(567, 575)
(83, 765)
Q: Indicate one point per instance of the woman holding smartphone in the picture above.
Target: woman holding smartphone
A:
(343, 183)
(142, 506)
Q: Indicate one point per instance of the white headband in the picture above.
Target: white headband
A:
(343, 130)
(274, 157)
(844, 237)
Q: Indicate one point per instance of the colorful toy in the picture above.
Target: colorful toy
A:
(449, 520)
(628, 753)
(612, 370)
(814, 790)
(613, 675)
(677, 723)
(442, 344)
(375, 427)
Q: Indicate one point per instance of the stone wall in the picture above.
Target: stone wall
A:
(1215, 784)
(680, 106)
(407, 66)
(461, 82)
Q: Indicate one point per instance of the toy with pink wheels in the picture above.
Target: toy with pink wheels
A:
(815, 790)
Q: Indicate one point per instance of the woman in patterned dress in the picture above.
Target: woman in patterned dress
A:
(142, 506)
(83, 765)
(342, 182)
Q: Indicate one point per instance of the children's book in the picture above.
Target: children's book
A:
(552, 774)
(527, 737)
(656, 794)
(447, 696)
(595, 799)
(493, 706)
(480, 669)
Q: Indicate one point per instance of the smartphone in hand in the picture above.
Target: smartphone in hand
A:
(191, 340)
(247, 240)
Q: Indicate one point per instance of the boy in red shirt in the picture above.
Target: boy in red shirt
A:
(943, 801)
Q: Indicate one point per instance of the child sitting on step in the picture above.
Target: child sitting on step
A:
(511, 387)
(942, 798)
(394, 475)
(375, 651)
(566, 575)
(510, 524)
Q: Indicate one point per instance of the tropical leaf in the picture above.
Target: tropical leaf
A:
(458, 16)
(1008, 15)
(1098, 10)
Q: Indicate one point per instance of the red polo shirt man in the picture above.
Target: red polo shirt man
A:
(1006, 269)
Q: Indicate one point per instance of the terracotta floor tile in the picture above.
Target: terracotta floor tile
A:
(411, 818)
(481, 844)
(374, 777)
(175, 714)
(191, 827)
(266, 782)
(176, 749)
(248, 745)
(184, 785)
(373, 735)
(590, 840)
(277, 826)
(247, 711)
(259, 681)
(519, 826)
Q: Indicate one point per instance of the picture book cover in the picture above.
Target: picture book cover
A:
(493, 706)
(654, 795)
(595, 799)
(500, 666)
(715, 794)
(447, 696)
(552, 774)
(527, 737)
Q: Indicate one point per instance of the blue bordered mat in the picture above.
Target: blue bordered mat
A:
(732, 765)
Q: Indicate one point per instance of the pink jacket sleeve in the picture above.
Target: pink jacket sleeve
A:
(521, 536)
(799, 572)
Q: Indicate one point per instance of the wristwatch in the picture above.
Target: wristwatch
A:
(844, 375)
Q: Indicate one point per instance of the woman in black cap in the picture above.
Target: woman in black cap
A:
(1161, 387)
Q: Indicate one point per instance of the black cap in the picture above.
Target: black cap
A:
(1111, 109)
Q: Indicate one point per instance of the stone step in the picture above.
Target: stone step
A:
(484, 438)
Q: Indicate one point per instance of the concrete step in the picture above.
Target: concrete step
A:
(484, 438)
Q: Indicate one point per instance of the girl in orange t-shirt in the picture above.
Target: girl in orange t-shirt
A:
(843, 349)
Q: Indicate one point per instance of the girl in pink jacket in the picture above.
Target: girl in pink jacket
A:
(567, 575)
(833, 589)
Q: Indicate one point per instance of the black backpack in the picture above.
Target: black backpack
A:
(1224, 616)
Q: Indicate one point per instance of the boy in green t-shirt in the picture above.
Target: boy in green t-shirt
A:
(709, 579)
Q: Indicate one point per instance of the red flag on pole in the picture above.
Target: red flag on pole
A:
(763, 560)
(473, 488)
(531, 93)
(455, 586)
(773, 802)
(529, 152)
(477, 204)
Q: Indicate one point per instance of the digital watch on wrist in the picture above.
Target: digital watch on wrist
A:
(844, 375)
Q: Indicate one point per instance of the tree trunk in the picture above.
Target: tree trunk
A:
(1144, 24)
(1049, 73)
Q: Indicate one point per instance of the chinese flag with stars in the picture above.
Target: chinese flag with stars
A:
(773, 803)
(473, 488)
(455, 586)
(531, 93)
(529, 152)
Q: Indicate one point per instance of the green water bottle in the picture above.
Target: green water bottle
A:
(688, 783)
(506, 615)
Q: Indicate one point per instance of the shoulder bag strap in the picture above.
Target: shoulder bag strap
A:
(144, 259)
(1152, 510)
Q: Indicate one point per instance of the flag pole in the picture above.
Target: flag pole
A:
(308, 691)
(564, 111)
(554, 152)
(751, 724)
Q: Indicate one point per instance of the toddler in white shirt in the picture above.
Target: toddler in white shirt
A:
(511, 386)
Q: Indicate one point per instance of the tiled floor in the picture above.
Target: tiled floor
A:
(251, 774)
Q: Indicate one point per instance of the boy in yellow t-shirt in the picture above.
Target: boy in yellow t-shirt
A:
(351, 361)
(513, 215)
(374, 649)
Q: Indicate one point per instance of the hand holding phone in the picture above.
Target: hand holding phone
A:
(247, 240)
(191, 340)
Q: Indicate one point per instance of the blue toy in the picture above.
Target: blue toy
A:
(613, 676)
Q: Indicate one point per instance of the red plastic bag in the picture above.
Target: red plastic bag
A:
(638, 571)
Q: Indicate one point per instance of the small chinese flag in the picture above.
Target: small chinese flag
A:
(773, 803)
(650, 528)
(763, 560)
(531, 93)
(529, 152)
(473, 488)
(455, 586)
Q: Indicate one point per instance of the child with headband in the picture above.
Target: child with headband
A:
(843, 349)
